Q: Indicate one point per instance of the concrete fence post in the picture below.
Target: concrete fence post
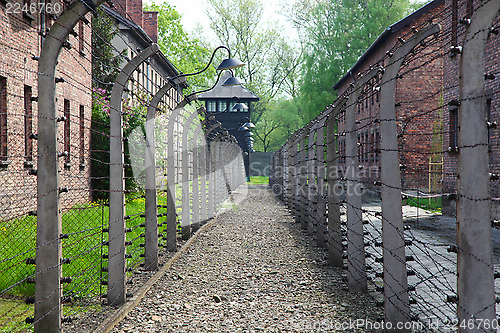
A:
(311, 196)
(475, 283)
(290, 172)
(187, 175)
(335, 250)
(356, 262)
(297, 176)
(302, 195)
(48, 290)
(151, 223)
(198, 189)
(321, 185)
(116, 260)
(396, 299)
(171, 174)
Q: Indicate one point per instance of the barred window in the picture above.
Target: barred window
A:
(82, 136)
(3, 118)
(28, 124)
(67, 133)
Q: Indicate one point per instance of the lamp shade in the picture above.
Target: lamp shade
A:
(243, 128)
(232, 81)
(248, 134)
(249, 125)
(240, 106)
(229, 64)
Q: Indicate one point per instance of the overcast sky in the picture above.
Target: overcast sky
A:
(193, 13)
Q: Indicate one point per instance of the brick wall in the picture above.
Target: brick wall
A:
(150, 25)
(418, 91)
(19, 43)
(460, 9)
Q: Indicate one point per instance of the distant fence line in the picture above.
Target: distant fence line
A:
(320, 174)
(164, 180)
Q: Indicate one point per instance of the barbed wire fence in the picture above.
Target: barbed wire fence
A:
(383, 138)
(77, 224)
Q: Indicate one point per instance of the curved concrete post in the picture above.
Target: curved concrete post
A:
(335, 249)
(116, 261)
(321, 192)
(396, 299)
(151, 225)
(296, 176)
(186, 201)
(210, 174)
(476, 290)
(356, 263)
(311, 196)
(199, 190)
(48, 291)
(171, 211)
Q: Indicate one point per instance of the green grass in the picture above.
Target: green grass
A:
(259, 180)
(12, 316)
(431, 204)
(84, 226)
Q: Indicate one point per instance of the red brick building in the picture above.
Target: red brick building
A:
(23, 24)
(418, 94)
(458, 11)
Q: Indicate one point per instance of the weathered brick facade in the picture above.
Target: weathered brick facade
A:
(418, 94)
(20, 45)
(457, 13)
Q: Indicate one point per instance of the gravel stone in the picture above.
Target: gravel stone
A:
(255, 270)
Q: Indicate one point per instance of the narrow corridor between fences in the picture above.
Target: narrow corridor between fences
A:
(253, 270)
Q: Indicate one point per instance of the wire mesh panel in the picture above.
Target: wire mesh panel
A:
(431, 151)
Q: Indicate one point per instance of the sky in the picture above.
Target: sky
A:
(193, 14)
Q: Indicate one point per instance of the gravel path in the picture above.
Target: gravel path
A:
(255, 270)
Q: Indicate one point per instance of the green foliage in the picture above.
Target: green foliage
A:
(430, 204)
(272, 64)
(258, 180)
(105, 60)
(280, 120)
(185, 52)
(134, 116)
(335, 34)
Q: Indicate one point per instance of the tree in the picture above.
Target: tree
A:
(277, 124)
(335, 33)
(106, 62)
(185, 52)
(272, 64)
(269, 59)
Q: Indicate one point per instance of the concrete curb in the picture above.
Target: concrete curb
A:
(122, 312)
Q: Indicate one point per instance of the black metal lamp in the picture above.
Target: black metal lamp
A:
(226, 64)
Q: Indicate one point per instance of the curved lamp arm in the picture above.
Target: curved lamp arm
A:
(206, 67)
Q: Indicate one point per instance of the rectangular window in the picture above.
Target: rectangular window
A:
(377, 144)
(453, 128)
(221, 106)
(81, 38)
(67, 133)
(82, 136)
(245, 110)
(231, 105)
(211, 106)
(3, 118)
(28, 126)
